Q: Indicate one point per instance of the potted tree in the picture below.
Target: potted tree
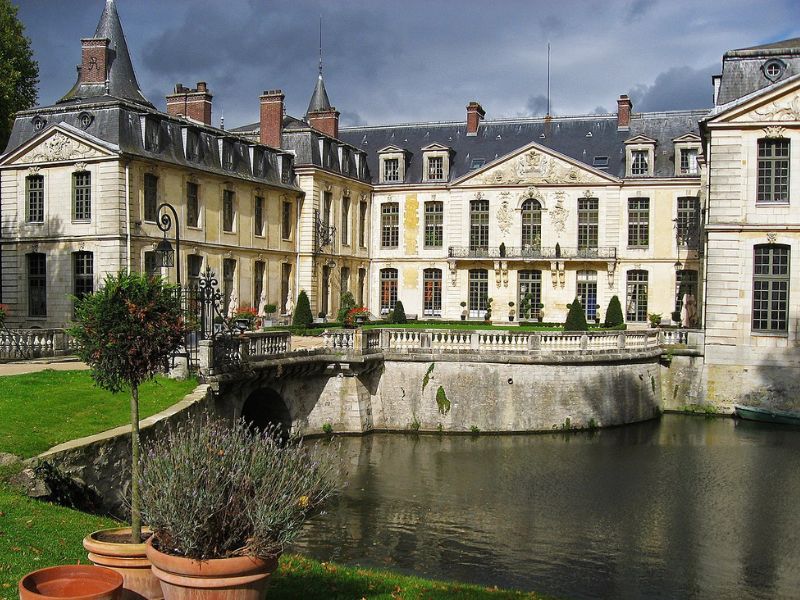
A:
(222, 501)
(655, 319)
(510, 311)
(126, 332)
(463, 310)
(540, 312)
(269, 310)
(597, 314)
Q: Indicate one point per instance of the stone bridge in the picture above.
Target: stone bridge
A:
(452, 380)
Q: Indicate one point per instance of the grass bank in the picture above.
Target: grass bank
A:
(40, 410)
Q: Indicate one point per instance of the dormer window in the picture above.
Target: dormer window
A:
(151, 135)
(687, 149)
(436, 165)
(773, 69)
(392, 164)
(640, 155)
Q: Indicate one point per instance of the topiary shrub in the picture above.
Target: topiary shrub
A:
(346, 304)
(302, 311)
(576, 318)
(398, 315)
(614, 313)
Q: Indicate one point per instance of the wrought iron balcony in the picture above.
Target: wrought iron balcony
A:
(534, 252)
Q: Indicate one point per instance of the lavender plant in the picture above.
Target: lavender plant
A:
(218, 490)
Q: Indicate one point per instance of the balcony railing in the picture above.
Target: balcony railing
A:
(533, 252)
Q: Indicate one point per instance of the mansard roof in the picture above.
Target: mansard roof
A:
(122, 82)
(743, 69)
(582, 138)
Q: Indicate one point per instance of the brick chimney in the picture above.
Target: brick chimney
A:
(193, 104)
(326, 121)
(624, 109)
(271, 122)
(94, 60)
(475, 114)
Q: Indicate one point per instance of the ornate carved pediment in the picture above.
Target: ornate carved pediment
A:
(534, 167)
(59, 147)
(782, 109)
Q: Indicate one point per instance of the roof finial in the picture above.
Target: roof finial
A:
(320, 46)
(548, 79)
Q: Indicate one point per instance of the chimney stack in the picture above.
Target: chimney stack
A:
(271, 122)
(475, 114)
(624, 109)
(326, 121)
(193, 104)
(94, 60)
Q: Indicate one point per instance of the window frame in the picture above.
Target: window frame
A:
(588, 224)
(586, 291)
(82, 196)
(287, 218)
(479, 225)
(388, 290)
(390, 165)
(362, 224)
(637, 288)
(766, 176)
(38, 192)
(192, 205)
(532, 278)
(639, 222)
(778, 287)
(150, 198)
(531, 225)
(228, 220)
(433, 230)
(687, 222)
(345, 221)
(390, 224)
(82, 279)
(477, 292)
(258, 216)
(40, 281)
(432, 292)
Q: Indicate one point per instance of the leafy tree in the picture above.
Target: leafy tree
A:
(346, 304)
(19, 73)
(614, 313)
(126, 332)
(302, 311)
(398, 315)
(576, 318)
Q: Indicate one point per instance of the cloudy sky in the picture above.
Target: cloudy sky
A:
(417, 60)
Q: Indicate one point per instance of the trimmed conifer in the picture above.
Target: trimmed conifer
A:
(614, 313)
(399, 314)
(576, 318)
(302, 311)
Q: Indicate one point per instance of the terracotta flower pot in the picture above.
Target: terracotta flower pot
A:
(78, 582)
(238, 578)
(129, 560)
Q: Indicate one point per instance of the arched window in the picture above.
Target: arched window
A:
(388, 290)
(770, 287)
(531, 225)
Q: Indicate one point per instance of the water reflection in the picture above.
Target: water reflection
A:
(681, 508)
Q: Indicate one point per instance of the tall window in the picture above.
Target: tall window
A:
(388, 290)
(636, 296)
(258, 216)
(770, 287)
(773, 171)
(37, 285)
(344, 278)
(434, 224)
(687, 225)
(150, 197)
(259, 268)
(286, 276)
(639, 162)
(689, 161)
(390, 224)
(529, 293)
(327, 203)
(685, 286)
(151, 264)
(435, 168)
(391, 169)
(587, 223)
(587, 293)
(362, 279)
(531, 225)
(192, 205)
(638, 222)
(228, 210)
(479, 225)
(432, 292)
(195, 264)
(82, 273)
(286, 221)
(228, 277)
(345, 221)
(34, 191)
(478, 292)
(362, 224)
(82, 196)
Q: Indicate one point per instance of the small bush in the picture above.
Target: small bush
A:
(302, 311)
(398, 315)
(474, 430)
(346, 304)
(576, 318)
(614, 313)
(327, 428)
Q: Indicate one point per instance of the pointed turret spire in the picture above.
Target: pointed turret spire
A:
(319, 99)
(106, 68)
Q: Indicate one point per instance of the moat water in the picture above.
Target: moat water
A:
(683, 507)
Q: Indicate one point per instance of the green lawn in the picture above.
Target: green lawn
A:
(40, 410)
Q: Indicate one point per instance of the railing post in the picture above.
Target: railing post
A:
(534, 342)
(244, 349)
(358, 340)
(584, 342)
(621, 341)
(205, 354)
(474, 340)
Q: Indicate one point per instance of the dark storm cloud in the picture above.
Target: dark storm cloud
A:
(537, 105)
(680, 87)
(637, 9)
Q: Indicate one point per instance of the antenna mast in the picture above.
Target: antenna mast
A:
(320, 45)
(548, 79)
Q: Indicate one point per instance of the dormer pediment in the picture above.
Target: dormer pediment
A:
(392, 149)
(640, 139)
(687, 138)
(436, 147)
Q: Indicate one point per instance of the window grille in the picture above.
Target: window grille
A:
(432, 292)
(588, 218)
(388, 290)
(37, 284)
(636, 304)
(529, 294)
(639, 162)
(478, 292)
(228, 211)
(532, 224)
(773, 171)
(770, 288)
(391, 169)
(35, 195)
(435, 168)
(434, 224)
(192, 205)
(390, 224)
(479, 225)
(587, 293)
(150, 197)
(638, 222)
(82, 196)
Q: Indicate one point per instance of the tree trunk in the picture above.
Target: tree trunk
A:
(136, 517)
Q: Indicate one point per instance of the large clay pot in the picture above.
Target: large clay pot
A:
(239, 578)
(129, 560)
(78, 582)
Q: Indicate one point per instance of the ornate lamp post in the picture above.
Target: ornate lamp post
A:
(164, 251)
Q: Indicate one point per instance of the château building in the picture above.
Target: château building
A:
(686, 214)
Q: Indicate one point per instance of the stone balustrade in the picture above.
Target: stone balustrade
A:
(23, 344)
(255, 345)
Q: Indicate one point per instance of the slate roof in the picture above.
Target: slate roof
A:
(319, 99)
(583, 138)
(742, 72)
(122, 82)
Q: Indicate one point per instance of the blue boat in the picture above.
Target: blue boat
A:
(766, 415)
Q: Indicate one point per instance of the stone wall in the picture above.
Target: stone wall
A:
(102, 462)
